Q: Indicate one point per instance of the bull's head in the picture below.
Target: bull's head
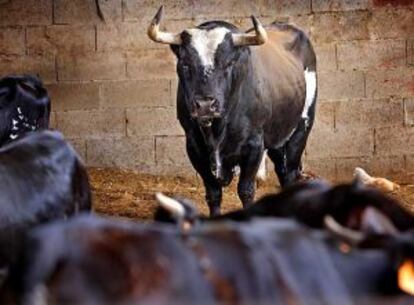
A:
(24, 107)
(211, 61)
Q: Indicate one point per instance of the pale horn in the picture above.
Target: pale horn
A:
(155, 34)
(171, 205)
(247, 39)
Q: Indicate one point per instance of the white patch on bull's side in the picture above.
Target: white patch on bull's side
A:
(262, 172)
(19, 110)
(206, 42)
(13, 136)
(310, 81)
(14, 122)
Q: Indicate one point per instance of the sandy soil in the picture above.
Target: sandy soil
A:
(124, 193)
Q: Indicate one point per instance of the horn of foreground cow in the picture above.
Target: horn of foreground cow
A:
(171, 205)
(245, 39)
(350, 236)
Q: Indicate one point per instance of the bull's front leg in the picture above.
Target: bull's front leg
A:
(200, 160)
(249, 164)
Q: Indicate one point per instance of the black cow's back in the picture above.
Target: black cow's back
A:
(95, 261)
(41, 178)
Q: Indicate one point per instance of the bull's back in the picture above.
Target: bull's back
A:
(279, 67)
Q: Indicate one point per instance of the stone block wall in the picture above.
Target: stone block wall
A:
(113, 90)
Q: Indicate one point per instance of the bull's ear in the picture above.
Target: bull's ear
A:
(374, 221)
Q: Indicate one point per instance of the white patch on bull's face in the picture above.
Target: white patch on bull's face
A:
(310, 81)
(13, 136)
(205, 42)
(19, 111)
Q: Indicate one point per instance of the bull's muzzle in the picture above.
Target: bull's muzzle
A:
(206, 109)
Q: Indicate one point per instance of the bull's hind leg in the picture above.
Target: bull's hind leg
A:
(288, 158)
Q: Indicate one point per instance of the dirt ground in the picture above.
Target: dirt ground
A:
(127, 194)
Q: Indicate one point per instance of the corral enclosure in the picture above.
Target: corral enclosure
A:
(113, 90)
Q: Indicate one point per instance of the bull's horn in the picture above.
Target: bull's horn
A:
(347, 235)
(171, 205)
(156, 35)
(247, 39)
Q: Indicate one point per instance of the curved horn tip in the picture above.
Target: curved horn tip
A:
(261, 33)
(255, 21)
(351, 236)
(170, 204)
(158, 15)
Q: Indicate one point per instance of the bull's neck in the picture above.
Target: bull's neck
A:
(214, 134)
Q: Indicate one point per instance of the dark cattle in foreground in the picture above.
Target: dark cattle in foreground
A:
(309, 203)
(235, 99)
(24, 107)
(41, 179)
(88, 260)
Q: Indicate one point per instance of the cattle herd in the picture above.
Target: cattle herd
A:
(240, 95)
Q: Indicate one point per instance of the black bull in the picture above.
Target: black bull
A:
(41, 179)
(95, 261)
(236, 99)
(24, 107)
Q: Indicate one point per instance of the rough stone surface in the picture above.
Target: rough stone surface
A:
(326, 57)
(99, 66)
(392, 22)
(339, 5)
(44, 66)
(171, 151)
(136, 152)
(341, 26)
(136, 94)
(341, 85)
(26, 12)
(151, 64)
(409, 111)
(394, 140)
(397, 82)
(369, 113)
(341, 143)
(74, 96)
(97, 124)
(12, 41)
(60, 39)
(366, 54)
(85, 11)
(153, 121)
